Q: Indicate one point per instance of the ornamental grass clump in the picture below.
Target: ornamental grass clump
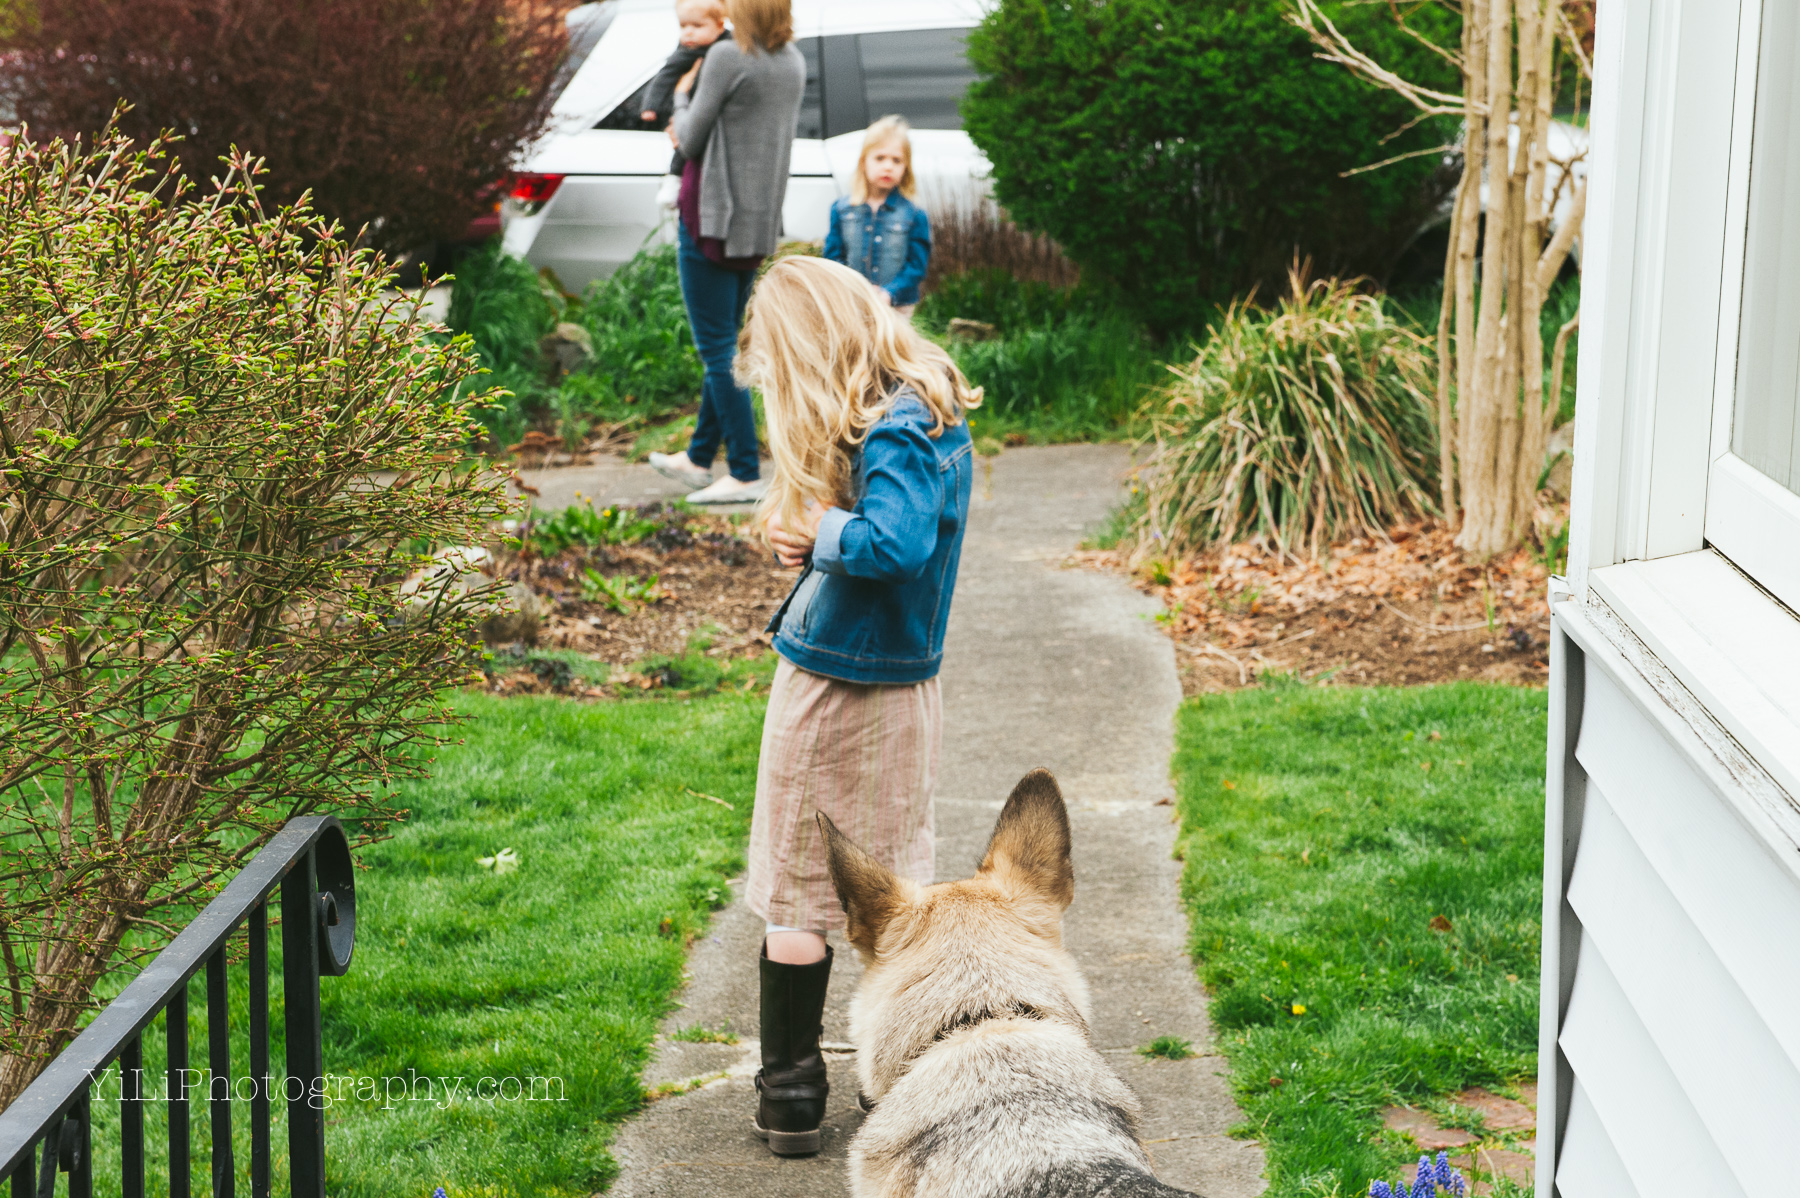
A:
(1306, 424)
(222, 451)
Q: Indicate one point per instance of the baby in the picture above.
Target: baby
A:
(702, 24)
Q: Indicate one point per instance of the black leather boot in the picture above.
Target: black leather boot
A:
(791, 1085)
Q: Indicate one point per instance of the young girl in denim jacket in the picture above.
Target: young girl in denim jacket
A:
(869, 499)
(877, 230)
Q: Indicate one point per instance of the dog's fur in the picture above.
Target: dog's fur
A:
(971, 1027)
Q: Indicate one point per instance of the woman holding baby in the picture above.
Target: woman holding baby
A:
(735, 129)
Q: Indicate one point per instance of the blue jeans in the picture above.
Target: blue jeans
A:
(715, 299)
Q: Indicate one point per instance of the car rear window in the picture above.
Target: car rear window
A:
(812, 109)
(920, 74)
(851, 79)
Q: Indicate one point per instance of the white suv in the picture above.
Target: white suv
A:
(583, 201)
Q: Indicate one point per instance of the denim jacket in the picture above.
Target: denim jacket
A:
(871, 605)
(889, 247)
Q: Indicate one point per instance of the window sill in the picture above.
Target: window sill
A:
(1735, 649)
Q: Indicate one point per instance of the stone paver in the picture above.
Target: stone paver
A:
(1043, 666)
(1499, 1114)
(1513, 1159)
(1423, 1128)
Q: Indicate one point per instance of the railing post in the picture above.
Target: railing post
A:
(258, 933)
(175, 1018)
(218, 1060)
(81, 1175)
(46, 1185)
(305, 1052)
(131, 1118)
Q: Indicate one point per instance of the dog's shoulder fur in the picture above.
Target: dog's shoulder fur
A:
(971, 1026)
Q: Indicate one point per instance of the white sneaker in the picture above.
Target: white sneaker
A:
(730, 490)
(677, 467)
(669, 194)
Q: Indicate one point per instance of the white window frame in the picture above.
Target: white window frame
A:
(1679, 544)
(1750, 518)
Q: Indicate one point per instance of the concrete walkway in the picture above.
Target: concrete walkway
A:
(1043, 666)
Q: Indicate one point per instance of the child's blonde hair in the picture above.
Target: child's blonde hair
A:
(883, 131)
(827, 351)
(706, 8)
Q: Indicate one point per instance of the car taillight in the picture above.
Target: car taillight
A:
(531, 188)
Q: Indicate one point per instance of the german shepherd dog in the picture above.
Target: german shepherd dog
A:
(971, 1026)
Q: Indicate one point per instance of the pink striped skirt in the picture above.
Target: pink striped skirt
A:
(864, 755)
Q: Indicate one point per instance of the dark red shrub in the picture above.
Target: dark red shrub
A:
(396, 114)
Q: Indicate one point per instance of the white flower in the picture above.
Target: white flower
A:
(503, 862)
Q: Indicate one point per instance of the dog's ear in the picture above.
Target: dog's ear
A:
(867, 890)
(1031, 839)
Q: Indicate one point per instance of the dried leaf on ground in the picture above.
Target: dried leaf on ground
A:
(1404, 609)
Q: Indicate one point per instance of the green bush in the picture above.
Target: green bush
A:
(644, 364)
(999, 298)
(203, 627)
(1068, 363)
(643, 346)
(1185, 152)
(1305, 424)
(1561, 303)
(498, 301)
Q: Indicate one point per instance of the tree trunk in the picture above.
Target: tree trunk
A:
(1492, 405)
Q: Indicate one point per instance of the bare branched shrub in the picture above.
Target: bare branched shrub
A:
(201, 630)
(1505, 247)
(1306, 424)
(974, 234)
(397, 114)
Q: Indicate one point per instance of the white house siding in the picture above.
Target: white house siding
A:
(1677, 1057)
(1591, 1164)
(1669, 1039)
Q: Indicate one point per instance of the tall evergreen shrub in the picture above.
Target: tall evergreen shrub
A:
(1185, 151)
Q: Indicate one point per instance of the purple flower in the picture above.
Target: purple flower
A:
(439, 1193)
(1444, 1171)
(1379, 1189)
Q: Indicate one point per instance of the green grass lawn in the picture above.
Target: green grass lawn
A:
(558, 969)
(1324, 831)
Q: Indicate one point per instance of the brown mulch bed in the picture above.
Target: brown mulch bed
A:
(737, 593)
(1401, 611)
(711, 577)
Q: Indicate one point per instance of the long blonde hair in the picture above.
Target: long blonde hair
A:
(828, 351)
(761, 24)
(883, 131)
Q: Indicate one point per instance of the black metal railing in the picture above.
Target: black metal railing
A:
(309, 860)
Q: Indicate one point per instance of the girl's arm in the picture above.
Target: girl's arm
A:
(834, 236)
(918, 255)
(695, 125)
(892, 534)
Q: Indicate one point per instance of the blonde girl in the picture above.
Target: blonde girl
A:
(877, 230)
(869, 500)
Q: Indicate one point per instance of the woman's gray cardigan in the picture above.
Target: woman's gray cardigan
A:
(740, 124)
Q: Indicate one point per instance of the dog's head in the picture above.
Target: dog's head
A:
(938, 954)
